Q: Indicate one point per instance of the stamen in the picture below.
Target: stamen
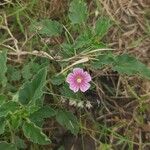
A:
(79, 80)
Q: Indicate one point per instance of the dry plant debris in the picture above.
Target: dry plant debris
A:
(120, 104)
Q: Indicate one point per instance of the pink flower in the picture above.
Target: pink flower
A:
(79, 80)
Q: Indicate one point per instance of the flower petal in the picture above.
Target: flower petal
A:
(74, 87)
(70, 78)
(87, 77)
(84, 87)
(78, 71)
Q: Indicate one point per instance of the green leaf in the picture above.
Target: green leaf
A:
(102, 26)
(35, 67)
(16, 76)
(26, 72)
(103, 60)
(16, 121)
(33, 108)
(9, 107)
(2, 125)
(3, 68)
(67, 50)
(7, 146)
(47, 27)
(126, 65)
(123, 64)
(32, 91)
(129, 65)
(67, 93)
(13, 73)
(31, 68)
(84, 40)
(45, 112)
(78, 12)
(68, 120)
(58, 79)
(3, 99)
(20, 143)
(35, 134)
(104, 146)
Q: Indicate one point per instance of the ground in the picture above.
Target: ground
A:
(120, 115)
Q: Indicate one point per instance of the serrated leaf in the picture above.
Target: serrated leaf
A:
(33, 108)
(31, 68)
(16, 76)
(58, 79)
(3, 99)
(123, 64)
(129, 65)
(47, 27)
(3, 68)
(35, 66)
(78, 12)
(83, 41)
(44, 112)
(20, 143)
(67, 93)
(67, 50)
(2, 125)
(68, 120)
(103, 60)
(16, 121)
(7, 146)
(32, 91)
(102, 26)
(13, 73)
(26, 72)
(145, 71)
(9, 107)
(35, 134)
(126, 64)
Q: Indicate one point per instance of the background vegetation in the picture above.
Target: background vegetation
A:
(41, 41)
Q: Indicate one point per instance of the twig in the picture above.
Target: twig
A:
(83, 60)
(11, 35)
(35, 53)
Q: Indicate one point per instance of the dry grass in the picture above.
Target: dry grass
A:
(131, 33)
(124, 113)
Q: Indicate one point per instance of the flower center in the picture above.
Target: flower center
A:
(79, 80)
